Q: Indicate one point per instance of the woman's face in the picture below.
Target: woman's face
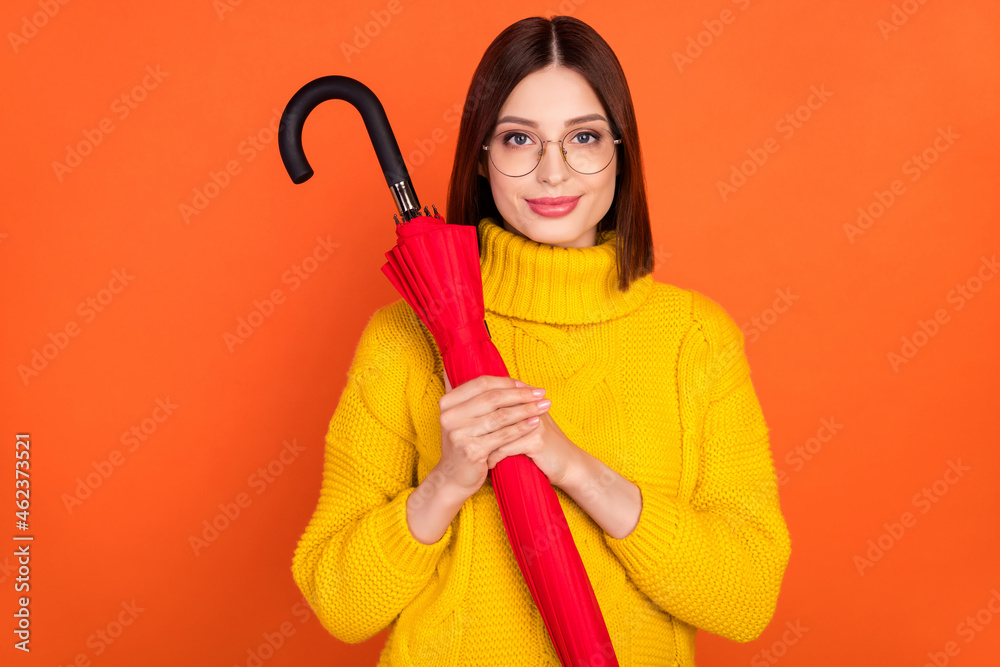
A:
(546, 102)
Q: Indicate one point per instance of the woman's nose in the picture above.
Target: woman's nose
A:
(553, 166)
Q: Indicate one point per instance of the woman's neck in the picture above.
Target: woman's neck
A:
(528, 280)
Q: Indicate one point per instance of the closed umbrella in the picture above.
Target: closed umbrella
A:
(436, 268)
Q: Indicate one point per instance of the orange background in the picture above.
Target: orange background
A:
(224, 70)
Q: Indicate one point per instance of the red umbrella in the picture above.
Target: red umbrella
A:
(436, 268)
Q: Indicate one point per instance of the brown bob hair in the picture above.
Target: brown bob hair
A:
(524, 47)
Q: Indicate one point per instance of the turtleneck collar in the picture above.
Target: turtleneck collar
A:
(534, 281)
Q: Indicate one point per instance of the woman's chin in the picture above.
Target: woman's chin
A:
(551, 232)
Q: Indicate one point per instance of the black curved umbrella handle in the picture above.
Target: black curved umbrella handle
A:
(337, 87)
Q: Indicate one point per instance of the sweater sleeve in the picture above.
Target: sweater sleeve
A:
(717, 562)
(357, 564)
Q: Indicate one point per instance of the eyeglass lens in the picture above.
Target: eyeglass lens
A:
(517, 152)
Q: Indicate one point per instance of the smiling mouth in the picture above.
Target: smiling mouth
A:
(553, 201)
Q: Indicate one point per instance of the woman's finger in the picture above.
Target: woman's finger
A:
(499, 392)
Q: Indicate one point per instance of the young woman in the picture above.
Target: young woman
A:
(633, 396)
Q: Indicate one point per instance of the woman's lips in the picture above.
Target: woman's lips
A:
(553, 207)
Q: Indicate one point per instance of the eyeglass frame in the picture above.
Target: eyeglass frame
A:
(562, 149)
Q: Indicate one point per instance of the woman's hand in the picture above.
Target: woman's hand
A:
(546, 445)
(480, 417)
(490, 418)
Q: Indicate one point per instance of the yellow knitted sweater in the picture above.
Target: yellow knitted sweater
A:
(654, 382)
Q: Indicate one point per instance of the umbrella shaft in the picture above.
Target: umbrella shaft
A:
(406, 200)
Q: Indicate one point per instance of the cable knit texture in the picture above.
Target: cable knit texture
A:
(653, 382)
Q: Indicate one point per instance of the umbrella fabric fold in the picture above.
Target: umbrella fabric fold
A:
(436, 268)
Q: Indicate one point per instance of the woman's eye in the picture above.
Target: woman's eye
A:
(518, 139)
(587, 136)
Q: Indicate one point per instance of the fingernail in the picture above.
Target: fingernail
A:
(544, 405)
(518, 383)
(537, 392)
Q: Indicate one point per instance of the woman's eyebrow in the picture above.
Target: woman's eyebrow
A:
(571, 121)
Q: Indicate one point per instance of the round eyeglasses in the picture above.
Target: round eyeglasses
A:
(586, 150)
